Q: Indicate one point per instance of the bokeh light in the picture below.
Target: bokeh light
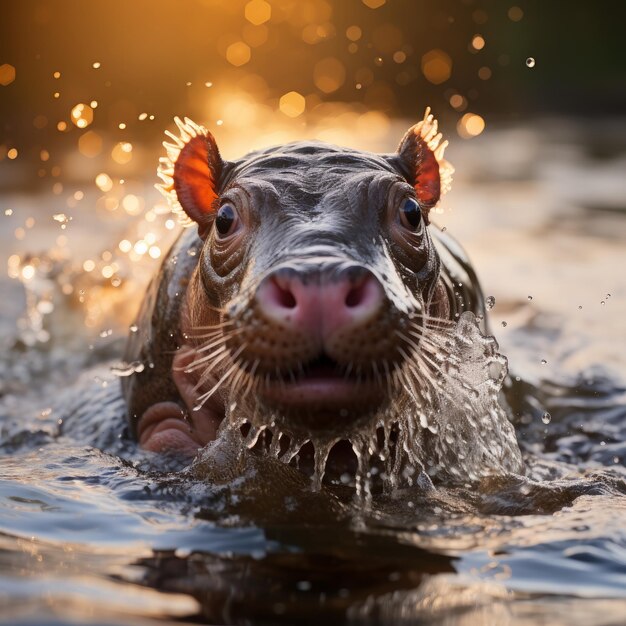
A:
(437, 66)
(7, 74)
(258, 11)
(238, 53)
(82, 115)
(292, 104)
(470, 125)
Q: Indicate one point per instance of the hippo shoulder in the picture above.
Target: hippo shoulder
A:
(458, 275)
(156, 335)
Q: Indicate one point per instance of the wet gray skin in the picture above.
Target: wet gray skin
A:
(319, 214)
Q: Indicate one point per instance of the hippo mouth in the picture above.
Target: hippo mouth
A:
(325, 387)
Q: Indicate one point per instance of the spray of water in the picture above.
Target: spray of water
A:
(453, 429)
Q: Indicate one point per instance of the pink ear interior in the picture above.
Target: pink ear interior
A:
(422, 150)
(196, 177)
(427, 179)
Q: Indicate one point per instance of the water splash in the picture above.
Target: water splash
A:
(454, 430)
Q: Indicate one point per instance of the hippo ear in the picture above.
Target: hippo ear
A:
(421, 155)
(190, 173)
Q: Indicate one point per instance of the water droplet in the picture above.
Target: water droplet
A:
(602, 302)
(490, 302)
(544, 362)
(580, 306)
(530, 62)
(530, 298)
(504, 324)
(443, 229)
(134, 328)
(126, 369)
(608, 295)
(546, 418)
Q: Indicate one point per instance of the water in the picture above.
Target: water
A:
(102, 533)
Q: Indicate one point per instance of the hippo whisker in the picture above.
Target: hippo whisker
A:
(221, 352)
(211, 327)
(206, 396)
(222, 339)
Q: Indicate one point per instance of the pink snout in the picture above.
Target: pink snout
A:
(321, 305)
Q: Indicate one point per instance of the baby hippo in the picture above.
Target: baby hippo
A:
(308, 301)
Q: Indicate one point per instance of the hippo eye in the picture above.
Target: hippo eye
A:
(226, 220)
(411, 214)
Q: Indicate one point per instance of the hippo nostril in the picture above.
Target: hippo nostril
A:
(356, 295)
(284, 296)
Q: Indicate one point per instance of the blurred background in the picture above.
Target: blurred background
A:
(81, 81)
(531, 94)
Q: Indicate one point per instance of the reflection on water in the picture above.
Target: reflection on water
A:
(102, 534)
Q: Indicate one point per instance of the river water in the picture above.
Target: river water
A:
(93, 531)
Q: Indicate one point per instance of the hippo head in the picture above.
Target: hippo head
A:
(317, 297)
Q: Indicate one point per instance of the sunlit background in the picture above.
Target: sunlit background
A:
(87, 89)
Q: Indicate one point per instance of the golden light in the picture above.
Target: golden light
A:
(44, 155)
(125, 245)
(436, 66)
(329, 74)
(354, 33)
(104, 182)
(374, 4)
(7, 74)
(12, 153)
(154, 252)
(258, 12)
(478, 42)
(82, 115)
(96, 65)
(13, 263)
(141, 247)
(399, 56)
(238, 53)
(515, 14)
(374, 125)
(458, 102)
(90, 144)
(292, 104)
(62, 126)
(56, 94)
(28, 272)
(132, 204)
(57, 75)
(470, 125)
(89, 265)
(122, 152)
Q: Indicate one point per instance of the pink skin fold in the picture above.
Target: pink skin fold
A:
(168, 427)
